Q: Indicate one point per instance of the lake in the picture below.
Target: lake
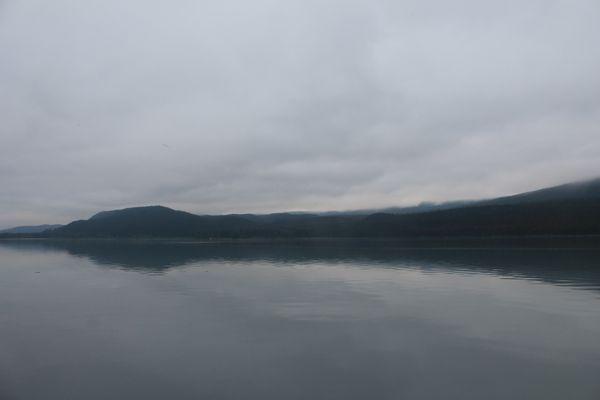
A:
(314, 320)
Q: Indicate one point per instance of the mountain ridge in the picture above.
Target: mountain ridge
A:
(568, 209)
(30, 229)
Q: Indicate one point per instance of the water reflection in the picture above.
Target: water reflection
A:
(318, 320)
(555, 262)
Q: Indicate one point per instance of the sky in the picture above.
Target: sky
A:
(276, 105)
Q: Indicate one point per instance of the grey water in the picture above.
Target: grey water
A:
(166, 320)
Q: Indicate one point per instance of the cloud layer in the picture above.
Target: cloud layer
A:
(234, 106)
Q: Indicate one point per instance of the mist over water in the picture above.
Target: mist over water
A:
(329, 320)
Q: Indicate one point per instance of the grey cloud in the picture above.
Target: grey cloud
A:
(286, 105)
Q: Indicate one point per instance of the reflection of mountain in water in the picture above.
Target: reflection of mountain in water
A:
(555, 262)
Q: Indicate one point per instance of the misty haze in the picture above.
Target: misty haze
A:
(300, 199)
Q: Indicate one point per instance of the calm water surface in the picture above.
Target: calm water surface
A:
(150, 320)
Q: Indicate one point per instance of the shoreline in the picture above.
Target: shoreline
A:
(464, 242)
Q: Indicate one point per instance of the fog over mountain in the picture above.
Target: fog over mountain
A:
(29, 229)
(571, 209)
(265, 106)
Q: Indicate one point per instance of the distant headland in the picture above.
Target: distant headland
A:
(569, 209)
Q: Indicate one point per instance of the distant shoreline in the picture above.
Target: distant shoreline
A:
(529, 241)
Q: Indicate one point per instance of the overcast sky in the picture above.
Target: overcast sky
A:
(271, 105)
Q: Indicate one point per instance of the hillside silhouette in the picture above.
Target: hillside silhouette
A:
(571, 209)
